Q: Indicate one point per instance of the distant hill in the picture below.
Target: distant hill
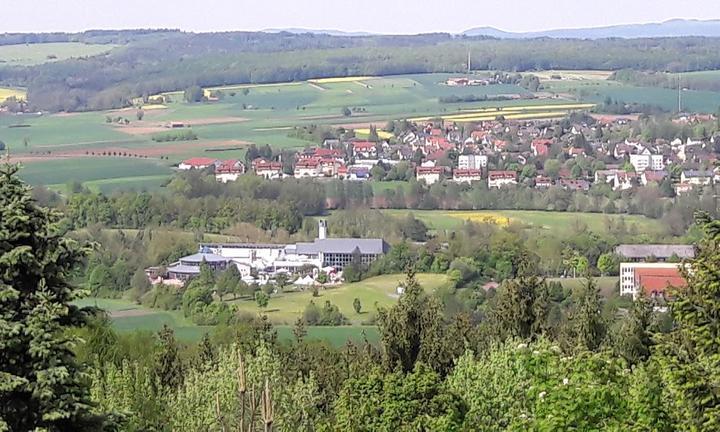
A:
(672, 28)
(319, 32)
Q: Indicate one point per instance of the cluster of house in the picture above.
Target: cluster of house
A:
(651, 270)
(513, 144)
(630, 163)
(259, 263)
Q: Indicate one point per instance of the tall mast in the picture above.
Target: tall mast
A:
(679, 93)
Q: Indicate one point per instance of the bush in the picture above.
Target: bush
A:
(185, 135)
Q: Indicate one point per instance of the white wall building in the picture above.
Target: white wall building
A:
(628, 274)
(472, 161)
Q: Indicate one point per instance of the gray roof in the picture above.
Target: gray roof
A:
(343, 245)
(200, 257)
(184, 269)
(658, 251)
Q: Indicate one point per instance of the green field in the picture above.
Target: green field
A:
(105, 170)
(32, 54)
(552, 221)
(283, 310)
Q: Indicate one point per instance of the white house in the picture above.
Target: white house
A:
(498, 179)
(229, 170)
(472, 161)
(429, 174)
(466, 175)
(696, 177)
(307, 168)
(269, 170)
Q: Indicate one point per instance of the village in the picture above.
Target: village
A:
(501, 153)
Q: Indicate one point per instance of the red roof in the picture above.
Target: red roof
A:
(496, 175)
(466, 172)
(657, 280)
(199, 161)
(323, 152)
(429, 170)
(267, 166)
(436, 155)
(307, 163)
(541, 146)
(230, 167)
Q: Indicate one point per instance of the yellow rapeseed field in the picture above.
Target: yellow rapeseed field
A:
(522, 112)
(381, 134)
(480, 217)
(6, 92)
(339, 79)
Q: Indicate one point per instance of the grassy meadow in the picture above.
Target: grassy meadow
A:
(546, 220)
(283, 310)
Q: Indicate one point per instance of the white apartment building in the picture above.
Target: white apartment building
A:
(475, 162)
(647, 161)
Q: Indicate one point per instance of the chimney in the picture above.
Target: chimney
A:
(322, 229)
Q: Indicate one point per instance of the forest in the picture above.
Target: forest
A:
(152, 62)
(535, 358)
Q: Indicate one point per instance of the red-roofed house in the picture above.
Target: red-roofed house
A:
(197, 163)
(429, 174)
(498, 179)
(268, 169)
(307, 168)
(541, 147)
(364, 149)
(542, 182)
(499, 145)
(229, 170)
(466, 175)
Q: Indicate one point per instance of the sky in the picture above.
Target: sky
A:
(376, 16)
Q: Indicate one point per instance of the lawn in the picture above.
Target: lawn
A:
(552, 221)
(32, 54)
(380, 291)
(284, 309)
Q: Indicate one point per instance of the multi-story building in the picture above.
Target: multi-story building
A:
(652, 279)
(467, 175)
(498, 179)
(472, 161)
(229, 170)
(429, 174)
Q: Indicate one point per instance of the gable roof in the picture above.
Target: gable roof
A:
(635, 251)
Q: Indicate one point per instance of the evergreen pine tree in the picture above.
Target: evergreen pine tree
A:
(42, 386)
(168, 366)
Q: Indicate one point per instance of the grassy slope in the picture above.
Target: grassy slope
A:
(375, 292)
